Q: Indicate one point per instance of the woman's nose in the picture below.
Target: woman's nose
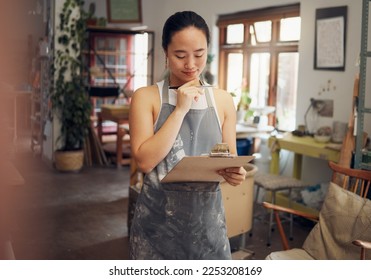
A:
(189, 64)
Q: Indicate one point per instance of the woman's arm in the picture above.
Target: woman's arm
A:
(148, 148)
(227, 116)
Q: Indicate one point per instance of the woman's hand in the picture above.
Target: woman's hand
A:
(187, 93)
(233, 175)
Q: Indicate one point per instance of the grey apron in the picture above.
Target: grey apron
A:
(181, 220)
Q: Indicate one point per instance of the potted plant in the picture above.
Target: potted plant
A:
(243, 112)
(92, 20)
(69, 97)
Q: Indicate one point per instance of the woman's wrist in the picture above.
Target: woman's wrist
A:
(179, 113)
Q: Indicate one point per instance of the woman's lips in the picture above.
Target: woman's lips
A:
(190, 73)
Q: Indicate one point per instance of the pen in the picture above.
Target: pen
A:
(203, 86)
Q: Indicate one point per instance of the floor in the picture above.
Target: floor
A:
(84, 215)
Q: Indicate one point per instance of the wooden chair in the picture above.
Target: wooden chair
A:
(343, 223)
(119, 146)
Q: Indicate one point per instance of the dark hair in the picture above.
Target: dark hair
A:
(181, 20)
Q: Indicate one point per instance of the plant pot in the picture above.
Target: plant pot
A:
(91, 22)
(241, 116)
(69, 161)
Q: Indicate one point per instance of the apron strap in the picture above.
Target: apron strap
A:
(208, 93)
(208, 98)
(165, 91)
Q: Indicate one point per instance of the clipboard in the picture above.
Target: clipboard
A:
(203, 168)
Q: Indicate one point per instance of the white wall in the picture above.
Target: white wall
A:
(310, 81)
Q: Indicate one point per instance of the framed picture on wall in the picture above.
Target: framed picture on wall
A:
(124, 11)
(330, 38)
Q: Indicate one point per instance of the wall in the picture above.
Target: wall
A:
(310, 81)
(21, 28)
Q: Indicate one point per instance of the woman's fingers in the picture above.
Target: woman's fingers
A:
(192, 91)
(192, 88)
(188, 93)
(234, 176)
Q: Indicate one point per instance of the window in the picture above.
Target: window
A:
(119, 62)
(259, 50)
(235, 34)
(120, 58)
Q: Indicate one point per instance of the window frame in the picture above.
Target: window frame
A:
(274, 47)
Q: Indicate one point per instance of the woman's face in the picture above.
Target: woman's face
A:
(187, 54)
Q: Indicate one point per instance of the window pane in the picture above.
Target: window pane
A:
(259, 73)
(100, 44)
(286, 90)
(290, 29)
(263, 30)
(122, 46)
(141, 60)
(122, 60)
(235, 34)
(111, 44)
(234, 74)
(111, 60)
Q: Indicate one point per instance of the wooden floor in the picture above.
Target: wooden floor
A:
(84, 215)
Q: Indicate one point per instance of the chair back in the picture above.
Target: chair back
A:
(355, 180)
(344, 218)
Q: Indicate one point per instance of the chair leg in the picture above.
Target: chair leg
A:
(363, 253)
(257, 194)
(285, 244)
(291, 217)
(270, 227)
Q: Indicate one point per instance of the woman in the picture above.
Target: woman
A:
(180, 220)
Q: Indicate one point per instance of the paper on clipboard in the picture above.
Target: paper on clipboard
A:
(203, 168)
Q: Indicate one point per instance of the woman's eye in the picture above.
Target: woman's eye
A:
(180, 57)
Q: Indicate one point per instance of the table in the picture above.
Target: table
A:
(118, 114)
(301, 146)
(244, 131)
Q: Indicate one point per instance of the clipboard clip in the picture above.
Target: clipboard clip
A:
(220, 150)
